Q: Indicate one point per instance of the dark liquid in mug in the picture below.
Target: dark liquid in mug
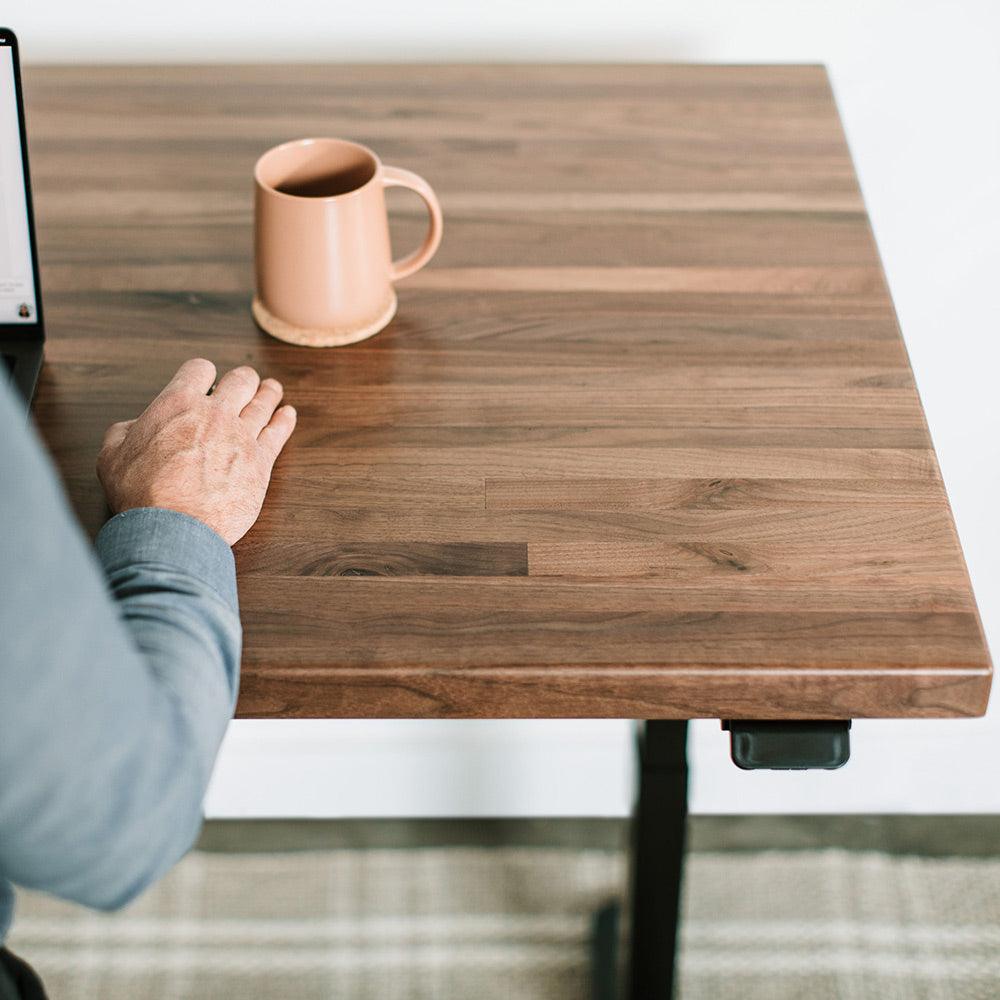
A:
(327, 185)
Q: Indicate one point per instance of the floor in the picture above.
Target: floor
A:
(933, 836)
(893, 908)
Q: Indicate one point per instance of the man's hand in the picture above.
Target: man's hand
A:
(207, 456)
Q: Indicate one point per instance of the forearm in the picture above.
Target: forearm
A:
(111, 711)
(117, 788)
(174, 582)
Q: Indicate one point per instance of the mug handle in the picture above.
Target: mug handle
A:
(411, 263)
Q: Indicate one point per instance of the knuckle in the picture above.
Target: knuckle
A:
(173, 402)
(175, 392)
(217, 424)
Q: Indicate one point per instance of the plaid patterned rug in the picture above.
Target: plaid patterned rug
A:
(458, 924)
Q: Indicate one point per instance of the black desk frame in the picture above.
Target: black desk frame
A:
(659, 828)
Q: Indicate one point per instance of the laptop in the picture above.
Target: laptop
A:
(22, 332)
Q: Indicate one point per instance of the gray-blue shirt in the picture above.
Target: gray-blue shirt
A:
(119, 667)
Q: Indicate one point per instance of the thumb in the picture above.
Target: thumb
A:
(115, 434)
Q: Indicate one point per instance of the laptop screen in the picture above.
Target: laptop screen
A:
(18, 301)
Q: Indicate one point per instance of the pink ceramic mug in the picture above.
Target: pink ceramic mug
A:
(324, 267)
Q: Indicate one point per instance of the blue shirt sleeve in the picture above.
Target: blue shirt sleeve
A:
(119, 667)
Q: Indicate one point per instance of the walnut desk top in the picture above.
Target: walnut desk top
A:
(643, 440)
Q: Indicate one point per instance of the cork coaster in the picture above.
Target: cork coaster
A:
(320, 336)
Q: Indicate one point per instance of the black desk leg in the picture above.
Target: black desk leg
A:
(658, 837)
(656, 866)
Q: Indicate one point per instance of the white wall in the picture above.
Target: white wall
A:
(918, 83)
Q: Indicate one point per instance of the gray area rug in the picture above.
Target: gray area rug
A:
(457, 923)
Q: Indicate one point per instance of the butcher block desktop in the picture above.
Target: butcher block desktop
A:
(643, 440)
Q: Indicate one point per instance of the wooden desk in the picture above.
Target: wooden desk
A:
(642, 442)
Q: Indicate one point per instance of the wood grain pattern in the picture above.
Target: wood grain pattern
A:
(643, 441)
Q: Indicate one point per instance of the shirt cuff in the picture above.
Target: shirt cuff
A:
(167, 538)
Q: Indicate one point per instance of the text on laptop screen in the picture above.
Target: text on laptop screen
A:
(17, 284)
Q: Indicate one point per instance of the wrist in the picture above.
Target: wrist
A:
(168, 538)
